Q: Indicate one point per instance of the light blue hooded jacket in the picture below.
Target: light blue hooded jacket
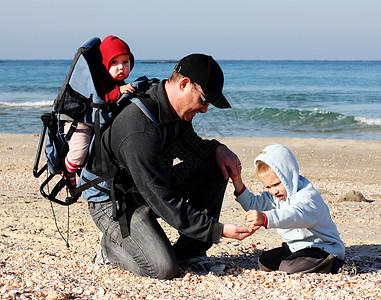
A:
(302, 220)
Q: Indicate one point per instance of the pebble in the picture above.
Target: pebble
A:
(75, 276)
(34, 263)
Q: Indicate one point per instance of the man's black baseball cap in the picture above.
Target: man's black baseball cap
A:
(205, 71)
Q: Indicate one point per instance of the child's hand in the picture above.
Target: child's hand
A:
(127, 88)
(237, 182)
(234, 177)
(255, 218)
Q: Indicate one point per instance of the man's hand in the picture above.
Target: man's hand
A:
(228, 161)
(255, 218)
(237, 232)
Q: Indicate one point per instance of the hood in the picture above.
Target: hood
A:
(111, 47)
(284, 164)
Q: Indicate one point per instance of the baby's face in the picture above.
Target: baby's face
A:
(274, 185)
(119, 68)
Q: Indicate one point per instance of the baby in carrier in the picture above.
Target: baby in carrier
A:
(119, 61)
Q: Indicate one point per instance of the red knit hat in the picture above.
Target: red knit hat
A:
(112, 47)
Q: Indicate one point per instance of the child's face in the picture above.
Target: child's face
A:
(274, 185)
(119, 68)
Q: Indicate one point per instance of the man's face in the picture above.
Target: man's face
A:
(191, 102)
(275, 187)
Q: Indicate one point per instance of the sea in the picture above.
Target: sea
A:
(269, 98)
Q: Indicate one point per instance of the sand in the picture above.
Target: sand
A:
(36, 264)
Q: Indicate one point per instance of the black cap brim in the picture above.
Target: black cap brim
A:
(217, 99)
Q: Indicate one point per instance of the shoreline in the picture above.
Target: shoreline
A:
(32, 252)
(316, 157)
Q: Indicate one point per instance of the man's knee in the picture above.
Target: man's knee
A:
(166, 270)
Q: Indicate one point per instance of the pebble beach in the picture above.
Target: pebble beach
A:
(35, 262)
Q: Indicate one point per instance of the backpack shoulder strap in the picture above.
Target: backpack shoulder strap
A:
(103, 177)
(145, 110)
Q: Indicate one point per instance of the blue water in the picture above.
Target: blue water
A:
(306, 99)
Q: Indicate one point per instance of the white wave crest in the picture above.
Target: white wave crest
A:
(369, 121)
(319, 111)
(28, 104)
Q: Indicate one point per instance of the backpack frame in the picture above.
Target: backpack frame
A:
(79, 101)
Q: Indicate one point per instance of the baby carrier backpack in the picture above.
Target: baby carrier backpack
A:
(79, 101)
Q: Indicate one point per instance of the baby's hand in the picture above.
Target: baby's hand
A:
(255, 218)
(127, 88)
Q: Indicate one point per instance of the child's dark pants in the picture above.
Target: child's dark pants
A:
(308, 260)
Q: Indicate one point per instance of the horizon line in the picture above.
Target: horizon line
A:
(175, 61)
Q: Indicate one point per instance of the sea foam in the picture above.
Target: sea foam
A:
(27, 104)
(369, 121)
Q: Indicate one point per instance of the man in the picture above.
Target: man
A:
(187, 195)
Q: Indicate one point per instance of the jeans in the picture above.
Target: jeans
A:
(147, 250)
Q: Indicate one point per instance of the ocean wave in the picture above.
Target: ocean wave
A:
(315, 119)
(28, 104)
(31, 88)
(369, 121)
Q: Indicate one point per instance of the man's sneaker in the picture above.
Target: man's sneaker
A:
(100, 258)
(348, 267)
(202, 264)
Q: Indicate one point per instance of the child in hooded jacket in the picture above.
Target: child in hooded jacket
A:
(118, 61)
(312, 243)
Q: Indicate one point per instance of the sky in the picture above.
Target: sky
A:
(170, 29)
